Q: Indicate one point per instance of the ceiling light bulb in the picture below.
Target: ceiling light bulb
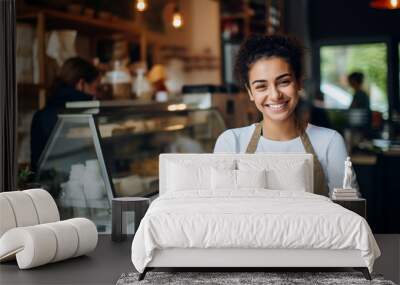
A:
(177, 20)
(394, 3)
(141, 5)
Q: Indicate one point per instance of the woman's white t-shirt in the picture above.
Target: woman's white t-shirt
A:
(328, 145)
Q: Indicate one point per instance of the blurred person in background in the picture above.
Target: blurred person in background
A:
(360, 97)
(359, 117)
(77, 80)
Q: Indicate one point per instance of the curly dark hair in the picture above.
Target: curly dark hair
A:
(257, 47)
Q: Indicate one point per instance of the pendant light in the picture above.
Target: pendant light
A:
(177, 19)
(141, 5)
(385, 4)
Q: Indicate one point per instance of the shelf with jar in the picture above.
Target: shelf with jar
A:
(95, 27)
(41, 30)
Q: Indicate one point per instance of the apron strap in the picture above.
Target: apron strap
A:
(318, 173)
(252, 146)
(319, 177)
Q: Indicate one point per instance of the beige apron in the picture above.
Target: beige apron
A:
(319, 177)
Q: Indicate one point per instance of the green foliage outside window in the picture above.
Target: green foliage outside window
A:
(339, 61)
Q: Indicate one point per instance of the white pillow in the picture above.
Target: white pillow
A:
(181, 177)
(223, 179)
(227, 179)
(193, 174)
(292, 175)
(251, 178)
(293, 179)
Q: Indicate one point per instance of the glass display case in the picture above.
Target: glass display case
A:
(100, 150)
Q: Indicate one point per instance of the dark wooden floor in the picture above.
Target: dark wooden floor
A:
(389, 262)
(110, 260)
(103, 266)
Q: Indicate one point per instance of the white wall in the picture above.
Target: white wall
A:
(205, 34)
(200, 32)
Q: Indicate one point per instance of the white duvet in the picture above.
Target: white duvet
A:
(253, 218)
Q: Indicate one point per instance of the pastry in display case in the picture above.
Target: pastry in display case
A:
(108, 149)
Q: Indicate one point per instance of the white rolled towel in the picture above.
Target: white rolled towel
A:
(40, 244)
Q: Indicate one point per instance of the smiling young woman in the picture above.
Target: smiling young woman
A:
(273, 88)
(270, 69)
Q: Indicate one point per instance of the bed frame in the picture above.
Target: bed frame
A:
(246, 259)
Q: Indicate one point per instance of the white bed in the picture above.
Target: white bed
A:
(201, 220)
